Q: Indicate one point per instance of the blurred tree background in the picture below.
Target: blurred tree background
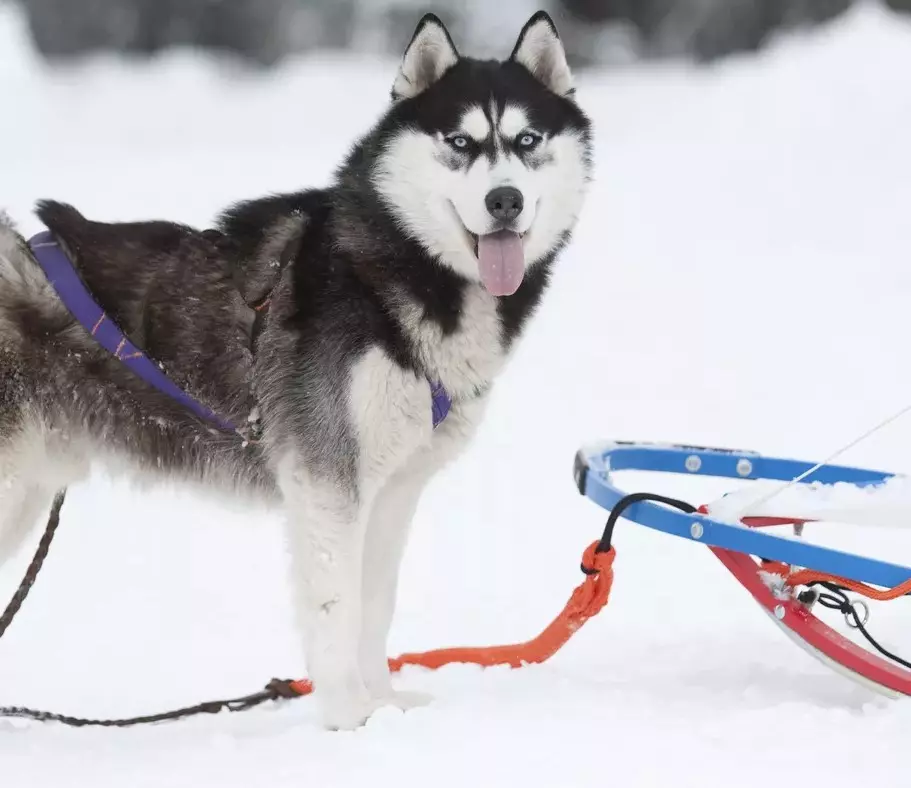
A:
(263, 32)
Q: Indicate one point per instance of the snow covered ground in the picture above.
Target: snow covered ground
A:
(741, 277)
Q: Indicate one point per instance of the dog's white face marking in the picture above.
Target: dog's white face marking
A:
(474, 124)
(437, 184)
(513, 122)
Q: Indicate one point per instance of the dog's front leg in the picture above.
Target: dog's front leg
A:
(326, 536)
(387, 533)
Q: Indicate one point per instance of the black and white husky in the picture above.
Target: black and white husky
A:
(418, 268)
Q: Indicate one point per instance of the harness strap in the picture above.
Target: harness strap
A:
(77, 298)
(441, 403)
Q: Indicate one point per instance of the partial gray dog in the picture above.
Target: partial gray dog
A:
(420, 266)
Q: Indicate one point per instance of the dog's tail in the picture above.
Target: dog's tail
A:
(18, 268)
(23, 285)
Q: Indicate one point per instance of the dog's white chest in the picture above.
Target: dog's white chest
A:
(466, 360)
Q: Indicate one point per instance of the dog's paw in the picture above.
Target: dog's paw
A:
(405, 700)
(348, 714)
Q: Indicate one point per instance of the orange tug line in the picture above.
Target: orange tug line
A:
(587, 600)
(806, 576)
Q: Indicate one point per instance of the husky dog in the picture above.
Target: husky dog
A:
(418, 268)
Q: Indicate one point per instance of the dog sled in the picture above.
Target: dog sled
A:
(790, 579)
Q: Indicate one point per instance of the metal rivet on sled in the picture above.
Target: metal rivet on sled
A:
(696, 530)
(744, 466)
(779, 612)
(693, 463)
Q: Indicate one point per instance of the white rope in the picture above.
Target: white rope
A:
(834, 456)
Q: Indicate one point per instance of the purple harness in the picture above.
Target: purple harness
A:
(77, 298)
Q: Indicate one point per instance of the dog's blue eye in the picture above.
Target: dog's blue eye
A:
(528, 140)
(459, 142)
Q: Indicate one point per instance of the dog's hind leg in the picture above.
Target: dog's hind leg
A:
(34, 466)
(28, 465)
(24, 494)
(20, 509)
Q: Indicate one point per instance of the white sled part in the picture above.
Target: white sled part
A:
(830, 663)
(884, 505)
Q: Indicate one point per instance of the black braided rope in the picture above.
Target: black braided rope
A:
(628, 500)
(276, 689)
(31, 574)
(837, 599)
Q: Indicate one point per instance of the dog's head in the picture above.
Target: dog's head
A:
(485, 163)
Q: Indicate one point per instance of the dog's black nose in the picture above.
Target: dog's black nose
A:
(504, 203)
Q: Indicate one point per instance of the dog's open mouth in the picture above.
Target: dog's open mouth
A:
(501, 261)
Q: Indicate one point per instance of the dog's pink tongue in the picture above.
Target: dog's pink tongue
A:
(501, 261)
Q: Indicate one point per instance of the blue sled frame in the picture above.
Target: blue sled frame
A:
(595, 464)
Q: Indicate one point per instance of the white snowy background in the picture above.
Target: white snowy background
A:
(741, 276)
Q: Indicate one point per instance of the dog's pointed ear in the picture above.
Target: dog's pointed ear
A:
(430, 54)
(540, 50)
